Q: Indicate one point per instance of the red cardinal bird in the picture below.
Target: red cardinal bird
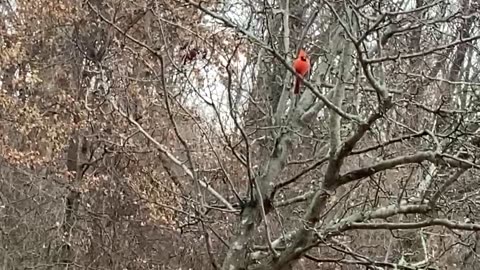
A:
(301, 66)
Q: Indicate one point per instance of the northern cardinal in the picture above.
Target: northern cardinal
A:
(301, 66)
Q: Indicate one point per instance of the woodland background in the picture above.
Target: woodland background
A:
(161, 134)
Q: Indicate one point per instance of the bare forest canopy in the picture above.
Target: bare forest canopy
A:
(150, 134)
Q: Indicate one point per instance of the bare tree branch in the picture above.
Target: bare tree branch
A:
(162, 148)
(454, 225)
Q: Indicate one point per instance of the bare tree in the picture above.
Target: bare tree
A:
(165, 135)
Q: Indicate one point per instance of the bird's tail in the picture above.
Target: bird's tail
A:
(296, 89)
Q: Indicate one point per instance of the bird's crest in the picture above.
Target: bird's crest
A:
(302, 55)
